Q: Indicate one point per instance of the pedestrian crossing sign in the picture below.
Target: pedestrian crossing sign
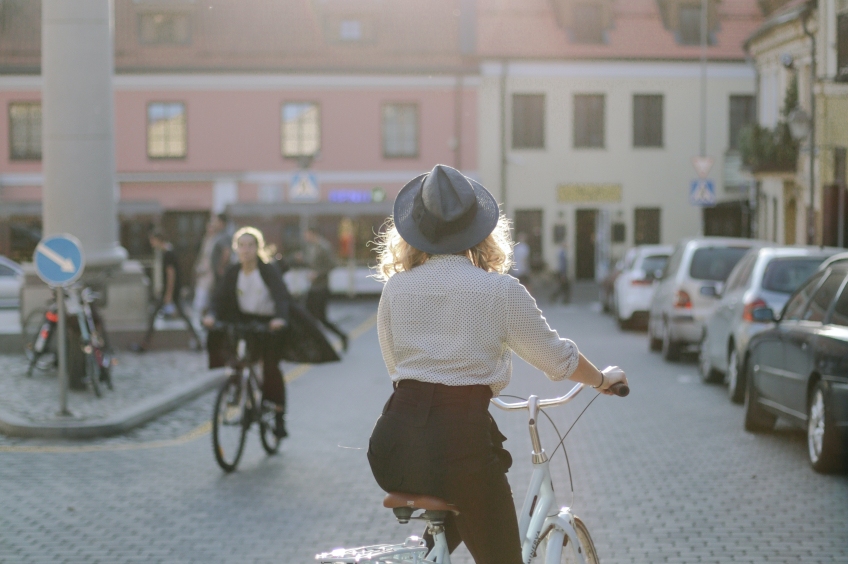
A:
(304, 188)
(702, 193)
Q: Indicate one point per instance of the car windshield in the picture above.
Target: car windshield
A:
(784, 275)
(653, 263)
(715, 263)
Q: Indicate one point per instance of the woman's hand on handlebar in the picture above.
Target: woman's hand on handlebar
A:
(613, 375)
(276, 323)
(208, 321)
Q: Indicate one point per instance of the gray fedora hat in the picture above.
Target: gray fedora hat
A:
(444, 212)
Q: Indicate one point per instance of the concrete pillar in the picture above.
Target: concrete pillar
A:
(77, 63)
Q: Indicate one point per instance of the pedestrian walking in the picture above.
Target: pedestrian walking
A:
(212, 262)
(319, 257)
(448, 322)
(254, 290)
(563, 281)
(168, 301)
(521, 260)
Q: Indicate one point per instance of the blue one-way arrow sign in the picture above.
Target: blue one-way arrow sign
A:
(59, 260)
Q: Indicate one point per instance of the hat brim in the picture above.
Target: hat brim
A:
(485, 220)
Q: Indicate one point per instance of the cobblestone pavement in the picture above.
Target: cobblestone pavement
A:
(665, 475)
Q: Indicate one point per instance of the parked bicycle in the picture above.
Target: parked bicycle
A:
(239, 401)
(88, 343)
(548, 536)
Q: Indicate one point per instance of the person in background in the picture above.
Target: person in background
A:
(213, 260)
(521, 260)
(564, 283)
(169, 301)
(319, 257)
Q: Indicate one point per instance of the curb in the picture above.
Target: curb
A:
(146, 410)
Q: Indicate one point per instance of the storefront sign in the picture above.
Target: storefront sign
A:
(588, 193)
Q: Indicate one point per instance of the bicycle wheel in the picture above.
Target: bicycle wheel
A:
(92, 373)
(38, 348)
(268, 431)
(586, 545)
(229, 425)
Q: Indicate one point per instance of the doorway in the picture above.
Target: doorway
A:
(529, 222)
(585, 239)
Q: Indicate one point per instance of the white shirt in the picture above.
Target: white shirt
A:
(450, 322)
(253, 295)
(521, 259)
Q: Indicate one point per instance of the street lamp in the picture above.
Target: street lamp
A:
(799, 124)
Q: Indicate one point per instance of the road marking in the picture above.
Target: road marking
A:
(199, 431)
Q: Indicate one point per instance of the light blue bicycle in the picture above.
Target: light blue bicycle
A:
(548, 536)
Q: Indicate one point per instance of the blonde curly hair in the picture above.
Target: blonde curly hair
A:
(394, 254)
(265, 252)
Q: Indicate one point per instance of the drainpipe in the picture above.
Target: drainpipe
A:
(457, 123)
(504, 70)
(811, 214)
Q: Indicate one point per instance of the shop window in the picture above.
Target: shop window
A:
(400, 130)
(25, 131)
(301, 129)
(164, 28)
(166, 130)
(646, 230)
(589, 121)
(743, 110)
(648, 120)
(528, 121)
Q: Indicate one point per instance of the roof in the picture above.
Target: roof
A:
(791, 11)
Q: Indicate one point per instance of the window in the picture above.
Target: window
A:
(588, 23)
(166, 130)
(528, 121)
(350, 30)
(743, 110)
(689, 24)
(796, 304)
(164, 28)
(648, 120)
(823, 297)
(784, 275)
(840, 310)
(400, 130)
(589, 121)
(25, 131)
(301, 129)
(741, 274)
(647, 226)
(652, 264)
(715, 263)
(842, 47)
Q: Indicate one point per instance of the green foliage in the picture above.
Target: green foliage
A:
(772, 150)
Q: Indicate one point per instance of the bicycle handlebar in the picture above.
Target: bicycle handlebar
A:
(619, 389)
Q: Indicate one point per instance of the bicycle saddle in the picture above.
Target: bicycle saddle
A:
(403, 504)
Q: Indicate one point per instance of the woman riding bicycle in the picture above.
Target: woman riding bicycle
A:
(448, 321)
(253, 290)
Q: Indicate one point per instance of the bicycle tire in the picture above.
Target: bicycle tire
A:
(29, 331)
(268, 432)
(586, 544)
(228, 404)
(92, 373)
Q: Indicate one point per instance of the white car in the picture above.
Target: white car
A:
(11, 280)
(634, 287)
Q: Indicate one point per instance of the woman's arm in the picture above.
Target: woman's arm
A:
(384, 333)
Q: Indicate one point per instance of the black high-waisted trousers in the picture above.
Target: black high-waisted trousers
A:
(440, 440)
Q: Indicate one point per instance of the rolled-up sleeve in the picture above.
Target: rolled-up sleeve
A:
(384, 333)
(529, 335)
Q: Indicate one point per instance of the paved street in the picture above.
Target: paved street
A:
(665, 475)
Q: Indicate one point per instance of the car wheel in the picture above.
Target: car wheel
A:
(735, 378)
(823, 440)
(709, 375)
(757, 419)
(670, 348)
(654, 344)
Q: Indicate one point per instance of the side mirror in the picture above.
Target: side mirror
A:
(763, 315)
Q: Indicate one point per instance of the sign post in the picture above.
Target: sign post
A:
(59, 262)
(702, 190)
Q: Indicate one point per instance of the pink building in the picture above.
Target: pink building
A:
(279, 113)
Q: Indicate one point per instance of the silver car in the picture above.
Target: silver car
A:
(11, 280)
(764, 278)
(689, 289)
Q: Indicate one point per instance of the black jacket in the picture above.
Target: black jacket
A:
(300, 341)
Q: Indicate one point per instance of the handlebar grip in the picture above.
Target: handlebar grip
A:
(620, 389)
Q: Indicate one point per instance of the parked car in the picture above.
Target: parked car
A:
(607, 284)
(635, 286)
(765, 277)
(798, 368)
(11, 280)
(689, 289)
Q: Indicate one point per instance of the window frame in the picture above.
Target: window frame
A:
(752, 100)
(30, 157)
(415, 104)
(543, 145)
(182, 157)
(283, 129)
(603, 120)
(661, 143)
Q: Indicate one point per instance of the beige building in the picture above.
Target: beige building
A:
(601, 118)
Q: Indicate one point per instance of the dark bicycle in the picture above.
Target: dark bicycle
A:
(239, 402)
(88, 344)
